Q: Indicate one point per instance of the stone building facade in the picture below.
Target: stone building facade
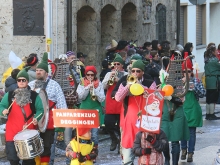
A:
(95, 23)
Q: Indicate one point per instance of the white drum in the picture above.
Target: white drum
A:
(28, 144)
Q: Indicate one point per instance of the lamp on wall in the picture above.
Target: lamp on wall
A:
(197, 2)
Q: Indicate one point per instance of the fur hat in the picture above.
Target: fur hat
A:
(23, 73)
(44, 62)
(188, 62)
(90, 68)
(118, 58)
(138, 64)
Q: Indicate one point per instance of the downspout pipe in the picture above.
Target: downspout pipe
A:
(69, 25)
(178, 22)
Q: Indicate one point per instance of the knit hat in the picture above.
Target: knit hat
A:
(136, 57)
(69, 53)
(23, 73)
(32, 60)
(188, 62)
(138, 64)
(118, 58)
(44, 62)
(90, 68)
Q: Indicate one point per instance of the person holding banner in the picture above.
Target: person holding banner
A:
(82, 150)
(112, 107)
(91, 95)
(149, 147)
(56, 100)
(131, 109)
(22, 106)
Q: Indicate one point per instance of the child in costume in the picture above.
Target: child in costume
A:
(149, 147)
(82, 151)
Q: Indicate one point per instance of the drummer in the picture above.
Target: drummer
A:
(22, 106)
(56, 101)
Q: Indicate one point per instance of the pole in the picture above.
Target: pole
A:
(177, 22)
(48, 25)
(69, 25)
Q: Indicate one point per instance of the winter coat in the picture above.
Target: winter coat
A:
(212, 73)
(10, 84)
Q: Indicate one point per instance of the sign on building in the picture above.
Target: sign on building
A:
(28, 17)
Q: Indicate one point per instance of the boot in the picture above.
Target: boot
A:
(207, 116)
(175, 158)
(183, 156)
(190, 157)
(212, 110)
(213, 117)
(114, 145)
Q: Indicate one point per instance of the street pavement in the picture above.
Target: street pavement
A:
(207, 145)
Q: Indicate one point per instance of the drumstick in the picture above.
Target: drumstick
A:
(31, 122)
(9, 108)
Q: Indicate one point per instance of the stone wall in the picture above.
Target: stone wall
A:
(95, 24)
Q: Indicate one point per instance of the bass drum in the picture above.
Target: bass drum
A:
(43, 122)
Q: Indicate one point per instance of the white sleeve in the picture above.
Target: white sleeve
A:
(99, 92)
(105, 80)
(82, 92)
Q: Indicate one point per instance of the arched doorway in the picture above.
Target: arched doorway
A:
(109, 28)
(161, 22)
(129, 22)
(86, 34)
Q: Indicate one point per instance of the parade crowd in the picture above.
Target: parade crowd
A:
(27, 87)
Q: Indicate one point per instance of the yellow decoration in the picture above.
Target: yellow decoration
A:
(168, 90)
(7, 73)
(136, 89)
(49, 41)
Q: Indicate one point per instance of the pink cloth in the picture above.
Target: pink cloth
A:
(121, 93)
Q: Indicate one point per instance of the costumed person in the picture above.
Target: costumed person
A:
(152, 105)
(22, 107)
(112, 107)
(91, 95)
(149, 147)
(212, 80)
(56, 100)
(192, 109)
(131, 105)
(32, 61)
(15, 63)
(84, 151)
(11, 83)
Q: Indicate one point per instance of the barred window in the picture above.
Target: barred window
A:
(199, 23)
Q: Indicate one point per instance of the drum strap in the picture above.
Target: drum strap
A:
(24, 114)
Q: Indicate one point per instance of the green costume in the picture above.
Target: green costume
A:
(177, 129)
(88, 103)
(192, 110)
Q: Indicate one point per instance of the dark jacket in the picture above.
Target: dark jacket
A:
(159, 145)
(10, 84)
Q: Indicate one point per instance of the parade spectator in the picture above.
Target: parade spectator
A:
(155, 45)
(188, 48)
(147, 46)
(11, 83)
(122, 46)
(212, 68)
(218, 55)
(106, 67)
(32, 61)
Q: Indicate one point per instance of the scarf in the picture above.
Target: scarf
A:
(87, 82)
